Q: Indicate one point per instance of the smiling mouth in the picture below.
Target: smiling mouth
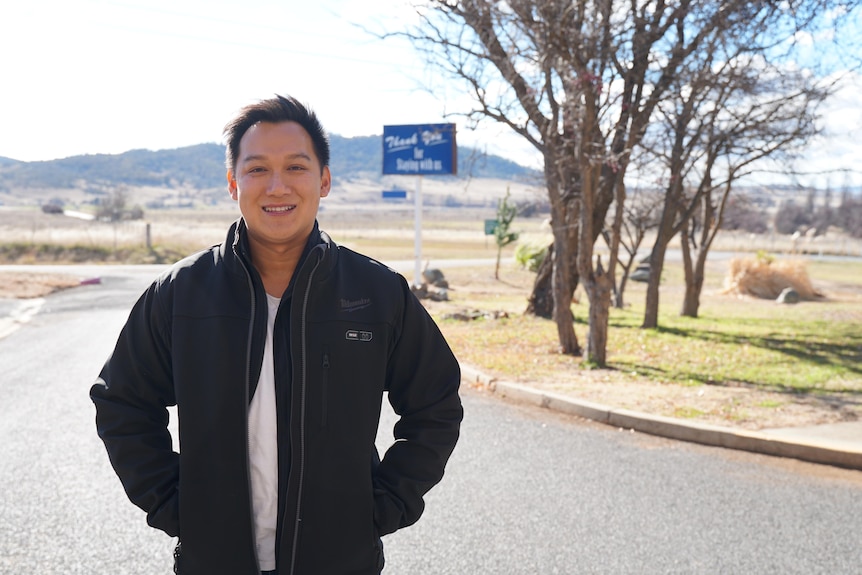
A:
(278, 209)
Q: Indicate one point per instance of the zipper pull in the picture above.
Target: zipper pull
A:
(325, 360)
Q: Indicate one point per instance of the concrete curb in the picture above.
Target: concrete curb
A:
(679, 429)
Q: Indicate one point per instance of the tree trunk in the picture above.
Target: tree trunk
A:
(656, 264)
(561, 279)
(693, 288)
(541, 300)
(619, 302)
(694, 275)
(561, 282)
(562, 315)
(693, 272)
(598, 288)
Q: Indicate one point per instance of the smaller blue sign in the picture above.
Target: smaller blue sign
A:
(394, 194)
(420, 149)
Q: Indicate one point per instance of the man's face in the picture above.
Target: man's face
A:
(278, 184)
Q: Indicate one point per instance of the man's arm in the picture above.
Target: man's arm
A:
(423, 381)
(131, 395)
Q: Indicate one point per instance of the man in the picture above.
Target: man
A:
(276, 347)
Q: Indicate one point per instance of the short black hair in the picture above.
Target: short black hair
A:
(275, 110)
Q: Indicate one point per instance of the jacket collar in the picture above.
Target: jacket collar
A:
(237, 246)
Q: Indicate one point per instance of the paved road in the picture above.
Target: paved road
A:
(527, 491)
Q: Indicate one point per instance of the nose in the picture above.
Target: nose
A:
(277, 184)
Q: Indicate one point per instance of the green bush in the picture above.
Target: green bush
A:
(530, 256)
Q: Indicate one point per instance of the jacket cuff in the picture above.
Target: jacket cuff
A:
(388, 512)
(167, 516)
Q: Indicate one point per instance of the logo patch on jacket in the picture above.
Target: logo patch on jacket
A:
(357, 335)
(349, 305)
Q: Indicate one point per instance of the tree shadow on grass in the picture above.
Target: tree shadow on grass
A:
(803, 347)
(834, 398)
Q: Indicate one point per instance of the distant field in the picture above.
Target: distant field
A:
(386, 233)
(383, 231)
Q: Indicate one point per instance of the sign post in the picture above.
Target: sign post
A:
(417, 150)
(417, 234)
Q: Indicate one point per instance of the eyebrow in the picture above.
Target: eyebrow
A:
(256, 157)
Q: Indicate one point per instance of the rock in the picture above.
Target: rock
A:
(433, 293)
(474, 314)
(641, 273)
(439, 294)
(421, 291)
(788, 295)
(435, 278)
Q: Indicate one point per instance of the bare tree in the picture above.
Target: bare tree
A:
(506, 64)
(773, 122)
(640, 217)
(733, 107)
(580, 80)
(113, 207)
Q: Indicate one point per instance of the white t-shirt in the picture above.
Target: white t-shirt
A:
(263, 450)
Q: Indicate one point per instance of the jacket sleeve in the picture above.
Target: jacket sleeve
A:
(423, 380)
(131, 397)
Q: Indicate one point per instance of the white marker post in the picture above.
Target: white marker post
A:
(417, 237)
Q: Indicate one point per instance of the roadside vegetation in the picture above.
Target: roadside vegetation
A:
(808, 347)
(745, 362)
(24, 253)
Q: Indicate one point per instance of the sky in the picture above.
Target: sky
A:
(108, 76)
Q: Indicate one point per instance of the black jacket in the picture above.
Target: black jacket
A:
(195, 339)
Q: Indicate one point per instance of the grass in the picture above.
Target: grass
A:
(773, 350)
(687, 413)
(771, 404)
(810, 347)
(26, 253)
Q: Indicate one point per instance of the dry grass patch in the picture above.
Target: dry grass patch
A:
(25, 285)
(766, 278)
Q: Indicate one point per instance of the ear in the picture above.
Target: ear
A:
(325, 182)
(231, 184)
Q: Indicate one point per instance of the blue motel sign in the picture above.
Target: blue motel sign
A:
(420, 149)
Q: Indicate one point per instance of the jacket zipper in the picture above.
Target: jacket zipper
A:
(303, 385)
(245, 393)
(325, 387)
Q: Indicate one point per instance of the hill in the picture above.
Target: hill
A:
(196, 173)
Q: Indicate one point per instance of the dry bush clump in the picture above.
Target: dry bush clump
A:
(764, 277)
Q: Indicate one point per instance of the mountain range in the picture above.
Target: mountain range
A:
(201, 167)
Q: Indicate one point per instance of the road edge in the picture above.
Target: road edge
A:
(671, 428)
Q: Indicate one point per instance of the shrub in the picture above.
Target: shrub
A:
(765, 277)
(530, 256)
